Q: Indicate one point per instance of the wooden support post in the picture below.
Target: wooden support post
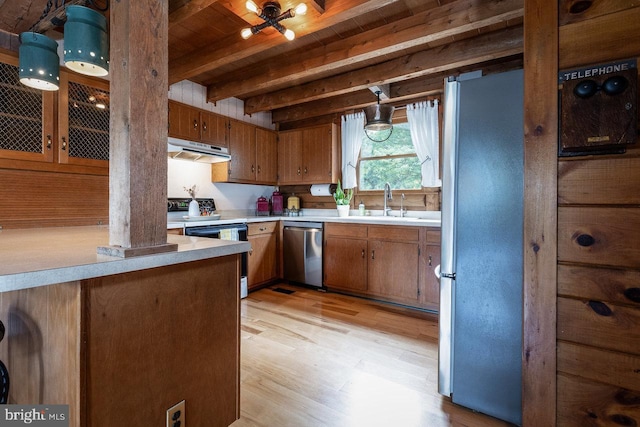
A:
(540, 212)
(138, 130)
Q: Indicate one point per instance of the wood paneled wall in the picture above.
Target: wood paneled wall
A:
(598, 294)
(36, 198)
(425, 200)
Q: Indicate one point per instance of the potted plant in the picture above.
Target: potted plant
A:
(343, 199)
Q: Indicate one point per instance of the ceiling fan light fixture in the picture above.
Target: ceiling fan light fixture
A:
(39, 65)
(86, 42)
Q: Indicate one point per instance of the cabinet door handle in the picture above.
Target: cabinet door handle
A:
(204, 126)
(258, 168)
(298, 170)
(48, 142)
(363, 254)
(250, 251)
(306, 171)
(429, 260)
(64, 144)
(373, 254)
(195, 124)
(263, 228)
(253, 169)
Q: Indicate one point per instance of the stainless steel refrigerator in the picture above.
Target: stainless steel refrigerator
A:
(480, 363)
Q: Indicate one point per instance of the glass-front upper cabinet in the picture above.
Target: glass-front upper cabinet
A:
(26, 117)
(69, 126)
(83, 121)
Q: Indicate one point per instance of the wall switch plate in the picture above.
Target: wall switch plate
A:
(175, 415)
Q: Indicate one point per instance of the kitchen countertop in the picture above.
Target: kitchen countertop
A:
(45, 256)
(427, 218)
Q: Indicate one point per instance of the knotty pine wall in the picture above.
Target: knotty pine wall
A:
(598, 294)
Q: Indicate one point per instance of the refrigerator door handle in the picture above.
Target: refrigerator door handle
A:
(448, 275)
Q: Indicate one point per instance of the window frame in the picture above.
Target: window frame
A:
(381, 191)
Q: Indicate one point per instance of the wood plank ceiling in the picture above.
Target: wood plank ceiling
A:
(341, 49)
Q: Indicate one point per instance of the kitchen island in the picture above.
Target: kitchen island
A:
(121, 340)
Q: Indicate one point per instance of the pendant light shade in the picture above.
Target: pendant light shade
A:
(39, 66)
(86, 42)
(378, 117)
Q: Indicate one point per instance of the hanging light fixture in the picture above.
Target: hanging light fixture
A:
(86, 42)
(270, 14)
(378, 118)
(39, 65)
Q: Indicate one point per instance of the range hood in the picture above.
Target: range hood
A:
(196, 151)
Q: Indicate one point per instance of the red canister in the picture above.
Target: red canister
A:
(262, 206)
(277, 203)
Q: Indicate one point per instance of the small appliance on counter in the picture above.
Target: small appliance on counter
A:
(293, 206)
(293, 202)
(277, 203)
(262, 206)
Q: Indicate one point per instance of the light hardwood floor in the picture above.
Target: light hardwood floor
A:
(316, 359)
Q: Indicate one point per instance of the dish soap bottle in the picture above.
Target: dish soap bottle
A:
(361, 208)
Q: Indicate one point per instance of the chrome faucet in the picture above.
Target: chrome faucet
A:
(387, 196)
(402, 210)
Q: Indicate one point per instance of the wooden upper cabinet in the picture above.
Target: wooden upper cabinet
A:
(242, 147)
(254, 154)
(83, 120)
(290, 157)
(213, 129)
(318, 154)
(266, 156)
(184, 121)
(194, 124)
(309, 155)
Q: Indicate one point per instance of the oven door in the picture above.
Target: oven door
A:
(226, 232)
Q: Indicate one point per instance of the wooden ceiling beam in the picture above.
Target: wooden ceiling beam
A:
(355, 101)
(187, 10)
(402, 93)
(433, 25)
(19, 16)
(486, 47)
(234, 48)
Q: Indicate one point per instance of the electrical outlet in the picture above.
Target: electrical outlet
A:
(175, 415)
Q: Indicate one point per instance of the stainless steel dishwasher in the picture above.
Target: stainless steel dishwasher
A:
(302, 251)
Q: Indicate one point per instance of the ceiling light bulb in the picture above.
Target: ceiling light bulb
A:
(246, 33)
(252, 6)
(301, 9)
(290, 35)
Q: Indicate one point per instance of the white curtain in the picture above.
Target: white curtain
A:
(352, 134)
(423, 124)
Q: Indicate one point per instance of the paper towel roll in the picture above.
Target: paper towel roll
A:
(321, 190)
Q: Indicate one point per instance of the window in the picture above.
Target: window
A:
(393, 161)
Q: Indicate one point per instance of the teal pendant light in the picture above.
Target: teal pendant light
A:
(39, 66)
(86, 42)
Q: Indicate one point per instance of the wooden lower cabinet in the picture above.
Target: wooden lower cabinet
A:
(345, 263)
(429, 283)
(123, 349)
(383, 262)
(262, 259)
